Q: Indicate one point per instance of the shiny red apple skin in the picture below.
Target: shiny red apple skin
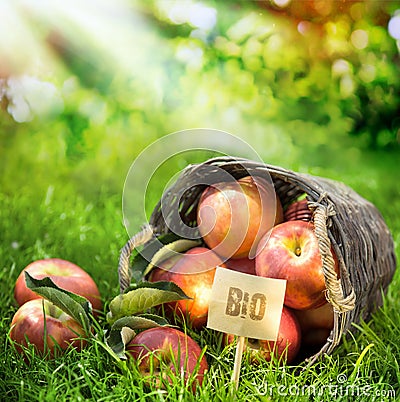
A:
(194, 273)
(286, 346)
(61, 330)
(244, 265)
(290, 251)
(232, 217)
(64, 274)
(177, 351)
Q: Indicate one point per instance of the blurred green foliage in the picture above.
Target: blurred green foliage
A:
(311, 81)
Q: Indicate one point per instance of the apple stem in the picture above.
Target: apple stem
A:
(238, 361)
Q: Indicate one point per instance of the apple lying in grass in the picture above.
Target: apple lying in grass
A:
(48, 328)
(64, 274)
(165, 352)
(290, 251)
(316, 324)
(233, 216)
(286, 346)
(194, 273)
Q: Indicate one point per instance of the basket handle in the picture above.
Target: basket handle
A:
(137, 240)
(334, 292)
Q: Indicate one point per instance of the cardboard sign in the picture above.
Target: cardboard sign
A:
(246, 305)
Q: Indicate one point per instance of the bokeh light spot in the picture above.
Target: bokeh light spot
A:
(196, 14)
(202, 17)
(340, 67)
(359, 39)
(281, 3)
(304, 27)
(394, 26)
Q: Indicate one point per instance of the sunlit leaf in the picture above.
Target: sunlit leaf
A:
(169, 250)
(145, 296)
(141, 259)
(78, 307)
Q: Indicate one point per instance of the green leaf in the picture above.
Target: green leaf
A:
(124, 329)
(162, 285)
(139, 322)
(169, 250)
(141, 259)
(161, 321)
(78, 307)
(145, 296)
(118, 339)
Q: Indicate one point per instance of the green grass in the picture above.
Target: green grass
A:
(50, 218)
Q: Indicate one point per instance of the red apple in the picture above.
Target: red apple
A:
(290, 251)
(298, 211)
(233, 216)
(164, 352)
(44, 325)
(194, 273)
(64, 274)
(244, 265)
(287, 344)
(316, 324)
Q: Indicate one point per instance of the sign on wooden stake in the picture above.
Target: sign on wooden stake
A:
(245, 305)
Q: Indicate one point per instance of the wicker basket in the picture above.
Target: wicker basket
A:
(343, 220)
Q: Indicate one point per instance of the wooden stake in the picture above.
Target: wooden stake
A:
(238, 360)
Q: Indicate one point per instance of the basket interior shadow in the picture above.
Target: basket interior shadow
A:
(343, 220)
